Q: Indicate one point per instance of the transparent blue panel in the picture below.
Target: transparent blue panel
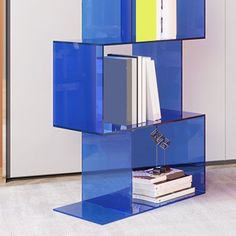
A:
(114, 21)
(107, 170)
(89, 211)
(78, 86)
(191, 19)
(198, 171)
(168, 59)
(186, 144)
(106, 21)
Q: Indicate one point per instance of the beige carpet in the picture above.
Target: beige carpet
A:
(26, 210)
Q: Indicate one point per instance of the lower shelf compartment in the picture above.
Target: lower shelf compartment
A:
(95, 213)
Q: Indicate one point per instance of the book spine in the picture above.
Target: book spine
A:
(144, 90)
(132, 77)
(167, 197)
(173, 183)
(139, 95)
(169, 17)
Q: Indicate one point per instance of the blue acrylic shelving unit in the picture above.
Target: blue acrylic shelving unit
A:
(110, 151)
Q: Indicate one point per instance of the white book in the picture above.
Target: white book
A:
(139, 89)
(147, 177)
(169, 19)
(158, 19)
(160, 189)
(120, 90)
(144, 89)
(167, 197)
(153, 102)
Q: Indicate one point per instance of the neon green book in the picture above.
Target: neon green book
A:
(146, 26)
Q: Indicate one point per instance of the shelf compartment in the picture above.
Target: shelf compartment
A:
(78, 82)
(107, 21)
(108, 162)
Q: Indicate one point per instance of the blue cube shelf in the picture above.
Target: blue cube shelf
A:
(108, 161)
(78, 81)
(111, 152)
(113, 21)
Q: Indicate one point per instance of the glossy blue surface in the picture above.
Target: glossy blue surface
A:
(187, 144)
(78, 83)
(191, 19)
(97, 214)
(110, 151)
(109, 176)
(168, 59)
(77, 87)
(106, 21)
(114, 21)
(108, 161)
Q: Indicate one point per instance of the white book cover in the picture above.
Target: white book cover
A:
(141, 177)
(169, 19)
(139, 90)
(120, 90)
(161, 189)
(167, 197)
(134, 92)
(153, 102)
(158, 19)
(144, 89)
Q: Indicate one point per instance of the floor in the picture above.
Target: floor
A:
(26, 210)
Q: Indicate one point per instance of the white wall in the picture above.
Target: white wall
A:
(36, 147)
(230, 79)
(204, 78)
(210, 79)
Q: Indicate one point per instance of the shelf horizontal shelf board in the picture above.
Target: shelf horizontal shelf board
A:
(94, 213)
(168, 116)
(105, 209)
(102, 43)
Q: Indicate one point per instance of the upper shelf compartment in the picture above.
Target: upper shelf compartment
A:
(129, 21)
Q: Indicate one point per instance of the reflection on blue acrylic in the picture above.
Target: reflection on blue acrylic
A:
(78, 86)
(114, 21)
(168, 59)
(107, 170)
(191, 19)
(108, 161)
(109, 158)
(106, 21)
(187, 144)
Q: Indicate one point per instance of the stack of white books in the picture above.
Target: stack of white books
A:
(130, 90)
(158, 188)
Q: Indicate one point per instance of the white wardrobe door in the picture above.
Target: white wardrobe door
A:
(230, 79)
(36, 147)
(204, 78)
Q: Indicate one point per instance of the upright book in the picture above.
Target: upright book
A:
(120, 90)
(153, 101)
(146, 20)
(169, 19)
(141, 86)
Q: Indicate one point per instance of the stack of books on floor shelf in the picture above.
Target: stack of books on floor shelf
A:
(158, 188)
(130, 90)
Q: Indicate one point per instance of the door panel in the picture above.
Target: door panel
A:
(36, 147)
(204, 78)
